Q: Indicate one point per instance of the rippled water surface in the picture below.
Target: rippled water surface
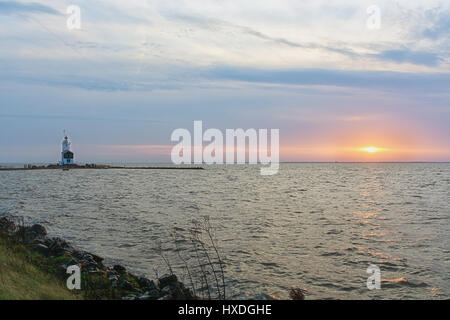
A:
(318, 226)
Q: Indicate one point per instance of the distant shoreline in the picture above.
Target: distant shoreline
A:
(136, 164)
(101, 168)
(161, 166)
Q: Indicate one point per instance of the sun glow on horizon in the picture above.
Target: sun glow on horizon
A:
(371, 149)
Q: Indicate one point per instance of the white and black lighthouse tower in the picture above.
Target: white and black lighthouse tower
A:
(66, 153)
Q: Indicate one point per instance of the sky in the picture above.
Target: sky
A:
(137, 70)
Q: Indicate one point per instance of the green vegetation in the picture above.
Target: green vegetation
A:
(28, 276)
(34, 267)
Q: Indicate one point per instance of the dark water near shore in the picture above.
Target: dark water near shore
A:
(318, 226)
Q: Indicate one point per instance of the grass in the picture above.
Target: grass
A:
(26, 274)
(22, 278)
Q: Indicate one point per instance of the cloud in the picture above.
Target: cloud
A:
(75, 117)
(216, 25)
(440, 24)
(220, 75)
(386, 80)
(408, 56)
(12, 7)
(389, 53)
(90, 83)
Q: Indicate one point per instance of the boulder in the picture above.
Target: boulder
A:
(97, 258)
(146, 284)
(91, 263)
(179, 292)
(73, 262)
(125, 285)
(59, 246)
(297, 294)
(119, 269)
(166, 280)
(150, 295)
(113, 277)
(36, 231)
(7, 225)
(41, 249)
(111, 272)
(167, 290)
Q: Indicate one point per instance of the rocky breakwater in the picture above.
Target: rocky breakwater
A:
(98, 280)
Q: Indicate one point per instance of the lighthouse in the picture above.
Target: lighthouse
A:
(66, 153)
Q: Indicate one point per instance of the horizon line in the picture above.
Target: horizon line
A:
(281, 162)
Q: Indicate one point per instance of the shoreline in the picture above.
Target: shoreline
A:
(95, 167)
(98, 280)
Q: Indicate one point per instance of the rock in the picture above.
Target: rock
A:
(166, 280)
(78, 254)
(97, 258)
(40, 241)
(188, 295)
(154, 294)
(125, 285)
(297, 294)
(42, 249)
(91, 266)
(90, 263)
(59, 246)
(144, 297)
(7, 225)
(150, 295)
(119, 269)
(73, 262)
(179, 292)
(167, 290)
(48, 241)
(111, 272)
(146, 284)
(113, 277)
(36, 231)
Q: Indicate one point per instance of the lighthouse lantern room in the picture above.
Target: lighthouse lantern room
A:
(66, 153)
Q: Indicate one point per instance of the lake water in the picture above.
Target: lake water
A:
(317, 226)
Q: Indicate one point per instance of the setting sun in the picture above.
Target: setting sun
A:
(371, 149)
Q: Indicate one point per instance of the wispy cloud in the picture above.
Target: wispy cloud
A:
(387, 80)
(12, 7)
(218, 25)
(437, 24)
(76, 117)
(388, 50)
(425, 58)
